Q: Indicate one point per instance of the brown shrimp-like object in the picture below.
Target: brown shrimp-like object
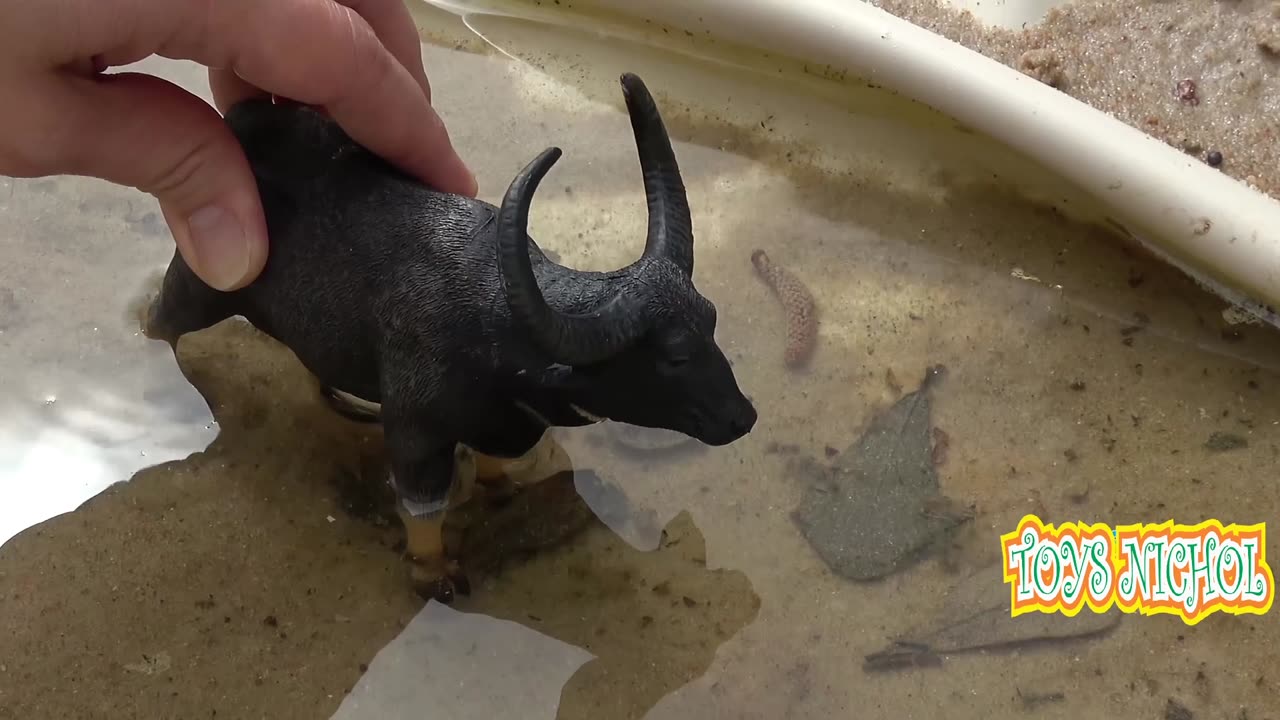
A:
(797, 303)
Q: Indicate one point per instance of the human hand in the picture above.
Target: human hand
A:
(359, 60)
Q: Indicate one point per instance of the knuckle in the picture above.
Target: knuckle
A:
(347, 67)
(369, 60)
(179, 176)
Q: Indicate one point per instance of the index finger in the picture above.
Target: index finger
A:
(393, 23)
(317, 52)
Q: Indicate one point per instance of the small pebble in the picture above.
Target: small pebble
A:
(941, 444)
(1186, 92)
(1214, 158)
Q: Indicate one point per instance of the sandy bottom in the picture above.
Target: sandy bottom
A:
(260, 576)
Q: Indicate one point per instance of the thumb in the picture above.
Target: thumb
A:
(142, 131)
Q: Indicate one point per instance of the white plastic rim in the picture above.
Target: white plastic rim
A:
(1219, 231)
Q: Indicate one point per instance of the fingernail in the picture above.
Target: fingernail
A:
(221, 247)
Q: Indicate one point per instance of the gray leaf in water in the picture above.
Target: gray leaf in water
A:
(976, 617)
(877, 508)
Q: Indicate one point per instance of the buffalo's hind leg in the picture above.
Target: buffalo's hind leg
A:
(182, 304)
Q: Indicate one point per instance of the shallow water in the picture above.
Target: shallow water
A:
(247, 567)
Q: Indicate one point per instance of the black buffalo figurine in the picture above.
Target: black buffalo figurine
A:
(439, 311)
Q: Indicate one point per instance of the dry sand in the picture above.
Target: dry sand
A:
(1201, 75)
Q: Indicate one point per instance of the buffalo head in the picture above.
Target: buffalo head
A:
(638, 343)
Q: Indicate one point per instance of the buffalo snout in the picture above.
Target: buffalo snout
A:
(729, 421)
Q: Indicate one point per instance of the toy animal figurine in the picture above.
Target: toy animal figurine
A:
(441, 312)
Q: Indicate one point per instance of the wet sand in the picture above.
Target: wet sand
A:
(260, 579)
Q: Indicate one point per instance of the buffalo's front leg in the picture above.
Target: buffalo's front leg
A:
(522, 455)
(426, 474)
(511, 475)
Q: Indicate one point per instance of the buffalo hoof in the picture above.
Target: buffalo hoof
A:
(497, 495)
(440, 584)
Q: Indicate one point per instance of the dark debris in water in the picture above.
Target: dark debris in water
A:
(1174, 710)
(10, 310)
(1224, 441)
(877, 508)
(1034, 700)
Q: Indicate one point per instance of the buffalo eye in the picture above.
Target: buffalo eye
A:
(675, 351)
(674, 362)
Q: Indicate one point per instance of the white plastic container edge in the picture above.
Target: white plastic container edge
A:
(1219, 231)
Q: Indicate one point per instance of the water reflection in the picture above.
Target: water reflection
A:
(91, 430)
(589, 629)
(448, 663)
(654, 621)
(86, 401)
